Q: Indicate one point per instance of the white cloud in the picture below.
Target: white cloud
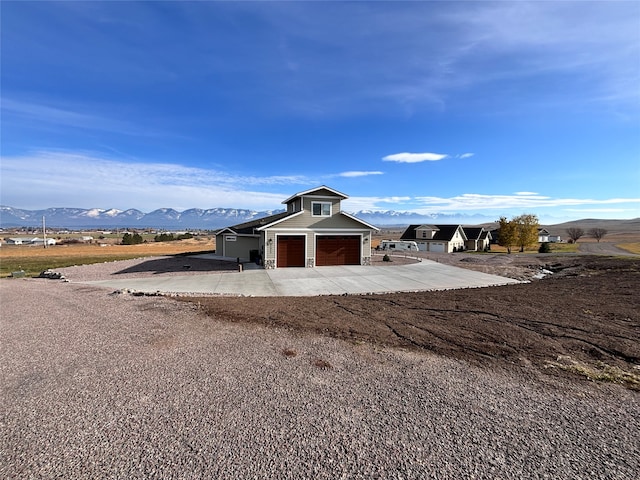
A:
(63, 179)
(414, 157)
(431, 54)
(466, 155)
(473, 203)
(354, 204)
(359, 174)
(598, 210)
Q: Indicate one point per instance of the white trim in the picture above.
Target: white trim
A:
(221, 231)
(352, 231)
(269, 225)
(358, 220)
(311, 190)
(250, 235)
(322, 204)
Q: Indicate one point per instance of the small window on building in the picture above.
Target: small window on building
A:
(321, 209)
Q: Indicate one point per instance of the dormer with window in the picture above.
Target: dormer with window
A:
(426, 232)
(320, 209)
(319, 203)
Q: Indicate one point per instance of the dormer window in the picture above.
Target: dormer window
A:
(321, 209)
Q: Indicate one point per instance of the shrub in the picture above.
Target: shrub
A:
(164, 237)
(128, 239)
(544, 248)
(386, 258)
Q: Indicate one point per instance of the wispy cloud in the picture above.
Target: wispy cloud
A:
(50, 178)
(491, 205)
(414, 157)
(598, 210)
(358, 174)
(52, 116)
(465, 155)
(435, 54)
(474, 201)
(354, 204)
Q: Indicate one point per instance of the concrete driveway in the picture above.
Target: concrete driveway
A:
(426, 275)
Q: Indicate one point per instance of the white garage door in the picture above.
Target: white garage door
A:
(436, 247)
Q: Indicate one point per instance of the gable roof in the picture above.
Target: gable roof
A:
(473, 233)
(252, 226)
(322, 189)
(444, 233)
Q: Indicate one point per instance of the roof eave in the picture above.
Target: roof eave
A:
(269, 225)
(368, 225)
(321, 187)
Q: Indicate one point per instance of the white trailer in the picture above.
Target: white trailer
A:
(403, 245)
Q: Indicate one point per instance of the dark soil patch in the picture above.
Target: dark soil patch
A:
(587, 312)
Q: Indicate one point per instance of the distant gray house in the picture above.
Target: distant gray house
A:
(436, 238)
(313, 232)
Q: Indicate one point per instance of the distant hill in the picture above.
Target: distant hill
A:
(612, 226)
(193, 218)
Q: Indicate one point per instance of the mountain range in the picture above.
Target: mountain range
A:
(193, 218)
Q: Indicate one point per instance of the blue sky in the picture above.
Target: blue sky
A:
(454, 107)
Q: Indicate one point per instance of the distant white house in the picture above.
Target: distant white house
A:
(544, 236)
(19, 240)
(29, 241)
(436, 238)
(40, 241)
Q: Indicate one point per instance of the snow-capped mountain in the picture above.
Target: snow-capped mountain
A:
(168, 218)
(392, 217)
(194, 218)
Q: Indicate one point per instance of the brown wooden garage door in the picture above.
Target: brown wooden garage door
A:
(337, 250)
(291, 251)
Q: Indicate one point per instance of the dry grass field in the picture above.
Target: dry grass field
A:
(34, 260)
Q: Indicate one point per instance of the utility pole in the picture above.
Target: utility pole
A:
(44, 234)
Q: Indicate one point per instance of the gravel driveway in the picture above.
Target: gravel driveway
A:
(98, 385)
(602, 248)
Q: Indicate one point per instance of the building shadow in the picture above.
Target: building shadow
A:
(180, 264)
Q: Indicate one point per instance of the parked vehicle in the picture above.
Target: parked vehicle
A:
(402, 245)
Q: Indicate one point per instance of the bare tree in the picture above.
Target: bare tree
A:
(574, 233)
(598, 233)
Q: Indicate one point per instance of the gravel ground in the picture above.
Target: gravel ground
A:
(100, 385)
